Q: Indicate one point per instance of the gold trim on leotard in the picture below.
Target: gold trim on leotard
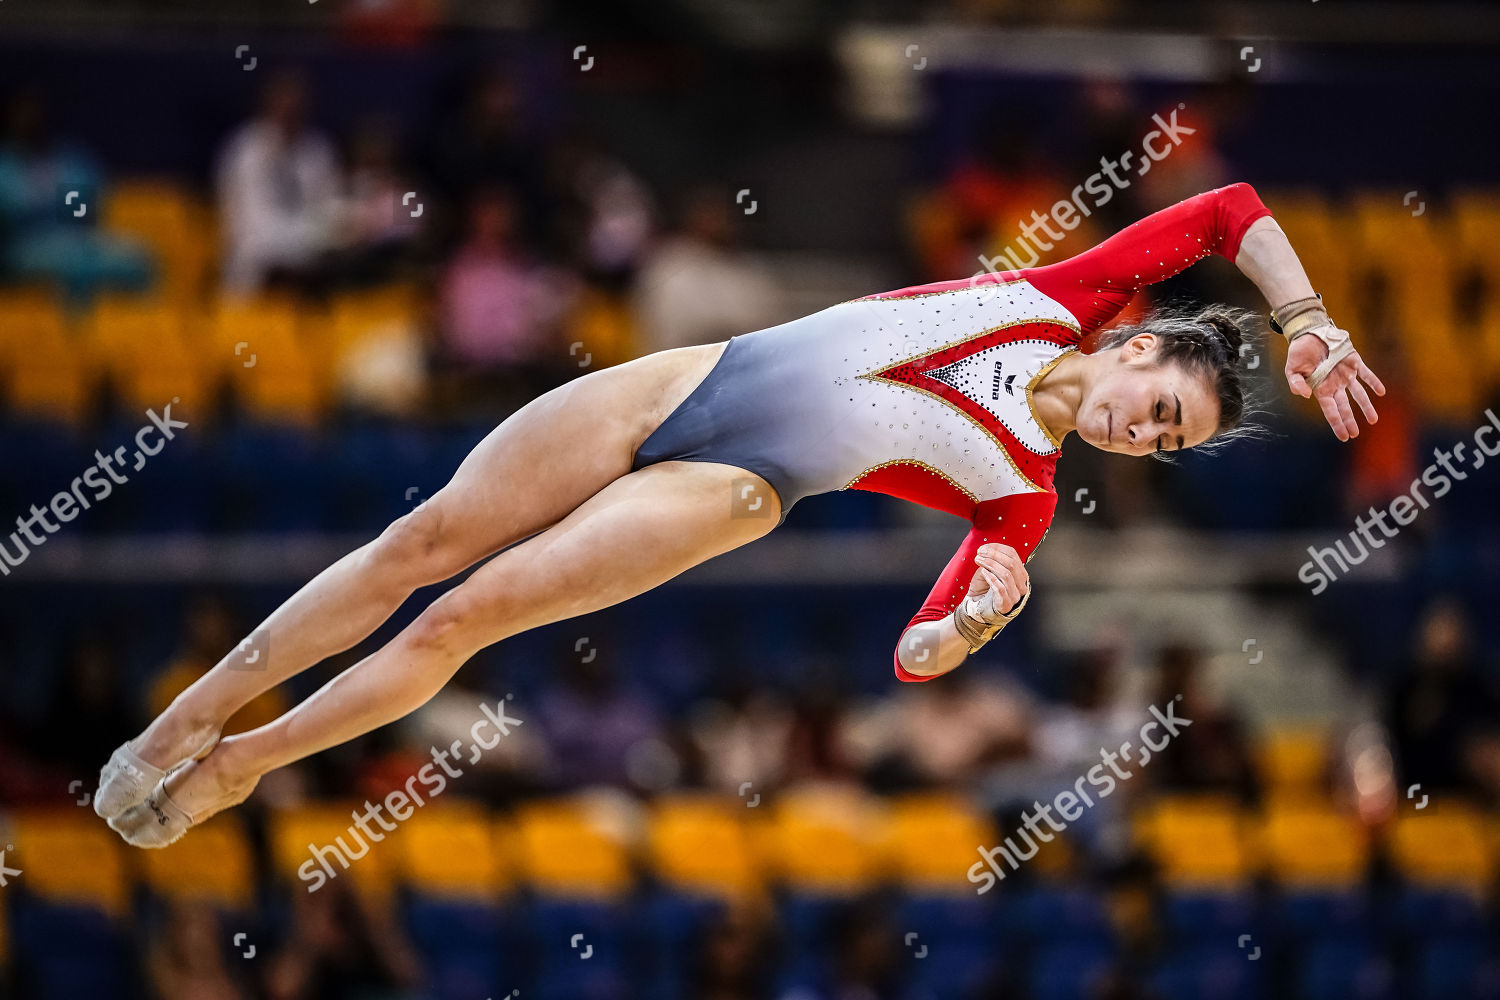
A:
(916, 461)
(1031, 405)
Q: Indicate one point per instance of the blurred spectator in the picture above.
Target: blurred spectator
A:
(375, 228)
(1211, 755)
(697, 286)
(814, 749)
(278, 188)
(516, 764)
(84, 723)
(498, 307)
(1443, 718)
(1090, 715)
(485, 144)
(606, 217)
(742, 737)
(42, 238)
(499, 311)
(940, 733)
(185, 960)
(981, 206)
(592, 723)
(344, 944)
(209, 633)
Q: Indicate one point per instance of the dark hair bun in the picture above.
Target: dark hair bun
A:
(1224, 323)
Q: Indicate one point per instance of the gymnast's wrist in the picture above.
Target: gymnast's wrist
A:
(1293, 319)
(977, 627)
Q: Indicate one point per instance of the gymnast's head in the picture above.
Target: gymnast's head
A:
(1172, 381)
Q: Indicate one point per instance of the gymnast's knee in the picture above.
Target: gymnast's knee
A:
(416, 547)
(449, 625)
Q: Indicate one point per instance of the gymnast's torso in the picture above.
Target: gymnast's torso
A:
(923, 395)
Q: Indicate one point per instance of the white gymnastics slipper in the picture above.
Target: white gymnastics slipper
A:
(126, 779)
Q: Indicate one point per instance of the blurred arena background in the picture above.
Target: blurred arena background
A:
(719, 791)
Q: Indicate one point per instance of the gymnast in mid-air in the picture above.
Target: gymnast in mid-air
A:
(955, 395)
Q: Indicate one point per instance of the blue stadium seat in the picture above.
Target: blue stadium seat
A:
(1069, 971)
(268, 478)
(964, 948)
(1425, 914)
(1345, 970)
(49, 938)
(1210, 972)
(807, 923)
(1041, 917)
(464, 946)
(665, 940)
(1210, 917)
(562, 972)
(1307, 915)
(1456, 970)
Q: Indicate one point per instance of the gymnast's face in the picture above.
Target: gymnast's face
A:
(1134, 406)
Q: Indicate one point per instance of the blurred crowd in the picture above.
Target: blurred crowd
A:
(537, 253)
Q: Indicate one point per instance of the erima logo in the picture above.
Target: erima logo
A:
(999, 380)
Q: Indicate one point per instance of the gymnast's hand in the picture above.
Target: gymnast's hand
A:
(1304, 355)
(1001, 580)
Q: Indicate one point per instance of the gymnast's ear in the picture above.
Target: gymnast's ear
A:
(1140, 346)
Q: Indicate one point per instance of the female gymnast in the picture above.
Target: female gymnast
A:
(954, 395)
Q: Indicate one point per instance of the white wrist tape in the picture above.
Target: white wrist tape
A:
(1339, 348)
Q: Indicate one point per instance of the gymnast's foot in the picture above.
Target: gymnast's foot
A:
(187, 797)
(137, 767)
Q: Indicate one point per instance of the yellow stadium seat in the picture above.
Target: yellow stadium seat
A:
(174, 223)
(1476, 225)
(602, 326)
(452, 849)
(45, 369)
(69, 856)
(1317, 231)
(1394, 235)
(931, 841)
(30, 320)
(295, 833)
(140, 345)
(257, 344)
(1293, 758)
(1446, 847)
(214, 862)
(1197, 841)
(699, 843)
(824, 842)
(356, 317)
(562, 851)
(1309, 844)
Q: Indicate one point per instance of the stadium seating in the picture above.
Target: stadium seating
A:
(495, 901)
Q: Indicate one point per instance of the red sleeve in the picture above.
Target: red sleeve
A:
(1020, 521)
(1096, 284)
